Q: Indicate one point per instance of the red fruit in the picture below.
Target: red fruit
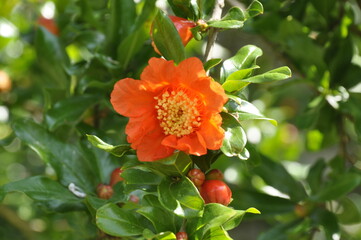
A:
(115, 177)
(183, 27)
(214, 174)
(182, 236)
(216, 191)
(196, 176)
(104, 191)
(49, 24)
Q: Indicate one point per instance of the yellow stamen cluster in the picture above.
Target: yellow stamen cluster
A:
(178, 114)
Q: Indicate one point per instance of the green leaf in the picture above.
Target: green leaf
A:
(315, 174)
(338, 187)
(121, 14)
(245, 58)
(235, 138)
(217, 233)
(350, 211)
(161, 219)
(254, 9)
(52, 60)
(324, 7)
(269, 169)
(270, 76)
(118, 222)
(118, 150)
(212, 63)
(181, 197)
(233, 19)
(45, 191)
(140, 175)
(245, 110)
(328, 220)
(280, 231)
(69, 111)
(187, 9)
(167, 39)
(176, 165)
(66, 159)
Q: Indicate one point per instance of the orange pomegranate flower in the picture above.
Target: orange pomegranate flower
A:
(171, 108)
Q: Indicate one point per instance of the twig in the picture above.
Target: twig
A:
(213, 32)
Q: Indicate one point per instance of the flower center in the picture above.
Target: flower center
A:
(178, 113)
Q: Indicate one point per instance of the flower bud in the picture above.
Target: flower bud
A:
(104, 191)
(214, 174)
(196, 176)
(216, 191)
(49, 24)
(115, 177)
(182, 236)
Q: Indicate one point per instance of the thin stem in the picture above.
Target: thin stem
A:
(213, 32)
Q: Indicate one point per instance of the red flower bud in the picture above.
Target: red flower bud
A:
(183, 27)
(214, 174)
(196, 176)
(115, 177)
(104, 191)
(216, 191)
(182, 236)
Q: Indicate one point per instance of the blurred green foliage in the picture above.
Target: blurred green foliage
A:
(303, 175)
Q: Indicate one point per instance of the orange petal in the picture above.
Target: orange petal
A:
(159, 72)
(151, 149)
(138, 127)
(212, 132)
(131, 98)
(191, 144)
(192, 74)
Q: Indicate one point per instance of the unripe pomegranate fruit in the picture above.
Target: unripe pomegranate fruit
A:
(214, 174)
(196, 176)
(104, 191)
(115, 177)
(216, 191)
(182, 236)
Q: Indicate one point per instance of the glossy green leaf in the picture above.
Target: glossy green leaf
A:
(52, 60)
(270, 76)
(207, 7)
(69, 111)
(338, 187)
(177, 164)
(349, 211)
(233, 19)
(66, 159)
(161, 219)
(116, 221)
(181, 197)
(212, 63)
(140, 175)
(254, 9)
(245, 58)
(187, 9)
(217, 233)
(118, 150)
(235, 138)
(269, 169)
(167, 39)
(328, 220)
(245, 110)
(45, 191)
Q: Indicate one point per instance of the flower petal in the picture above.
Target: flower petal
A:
(192, 74)
(212, 132)
(151, 149)
(159, 72)
(191, 144)
(138, 127)
(131, 98)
